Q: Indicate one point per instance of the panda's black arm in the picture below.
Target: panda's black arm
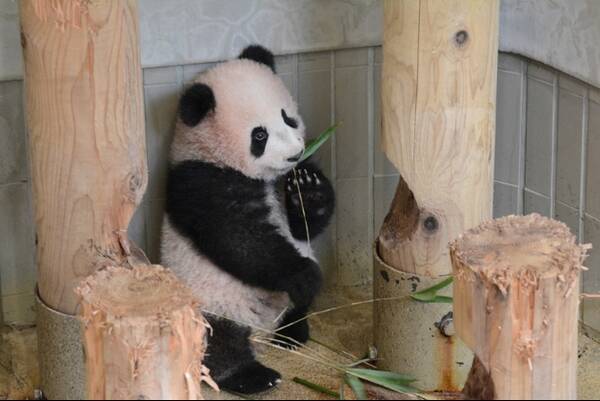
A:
(224, 215)
(308, 188)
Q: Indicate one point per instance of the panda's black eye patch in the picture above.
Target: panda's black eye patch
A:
(289, 120)
(259, 141)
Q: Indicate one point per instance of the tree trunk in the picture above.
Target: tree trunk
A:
(142, 337)
(516, 303)
(438, 115)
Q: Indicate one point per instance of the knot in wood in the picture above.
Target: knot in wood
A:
(431, 224)
(461, 37)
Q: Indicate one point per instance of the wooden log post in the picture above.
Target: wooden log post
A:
(85, 118)
(86, 134)
(438, 121)
(143, 338)
(516, 303)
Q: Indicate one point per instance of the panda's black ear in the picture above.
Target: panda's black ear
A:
(260, 55)
(197, 101)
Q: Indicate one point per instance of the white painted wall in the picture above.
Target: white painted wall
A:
(178, 32)
(564, 34)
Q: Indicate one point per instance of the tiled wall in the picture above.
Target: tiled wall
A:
(17, 247)
(547, 147)
(548, 136)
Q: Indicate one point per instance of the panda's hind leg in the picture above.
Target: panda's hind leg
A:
(231, 361)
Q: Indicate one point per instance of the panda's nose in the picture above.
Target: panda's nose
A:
(295, 158)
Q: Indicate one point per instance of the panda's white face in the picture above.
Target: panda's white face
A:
(253, 125)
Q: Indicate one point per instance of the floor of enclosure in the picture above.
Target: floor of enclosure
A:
(347, 329)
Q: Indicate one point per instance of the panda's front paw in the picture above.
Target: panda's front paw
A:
(310, 195)
(308, 187)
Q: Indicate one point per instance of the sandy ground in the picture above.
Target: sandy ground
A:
(345, 330)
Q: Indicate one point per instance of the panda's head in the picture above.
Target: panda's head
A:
(239, 114)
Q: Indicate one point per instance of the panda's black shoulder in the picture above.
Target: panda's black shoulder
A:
(196, 184)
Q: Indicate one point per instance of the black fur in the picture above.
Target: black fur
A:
(318, 200)
(197, 101)
(231, 361)
(224, 214)
(292, 328)
(260, 55)
(260, 136)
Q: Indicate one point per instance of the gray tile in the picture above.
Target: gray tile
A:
(505, 199)
(17, 248)
(568, 161)
(510, 62)
(384, 189)
(538, 150)
(314, 101)
(154, 211)
(314, 61)
(352, 57)
(592, 201)
(13, 140)
(540, 72)
(568, 215)
(571, 84)
(591, 235)
(591, 313)
(285, 64)
(161, 75)
(381, 164)
(354, 254)
(351, 110)
(378, 55)
(508, 123)
(161, 107)
(137, 227)
(19, 308)
(535, 203)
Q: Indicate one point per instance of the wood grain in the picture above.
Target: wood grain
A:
(143, 339)
(438, 121)
(516, 304)
(86, 132)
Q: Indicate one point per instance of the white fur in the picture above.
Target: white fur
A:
(248, 95)
(218, 291)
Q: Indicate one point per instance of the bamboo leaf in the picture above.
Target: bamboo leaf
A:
(430, 295)
(390, 380)
(357, 386)
(315, 144)
(316, 387)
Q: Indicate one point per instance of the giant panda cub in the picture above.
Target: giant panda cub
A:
(234, 229)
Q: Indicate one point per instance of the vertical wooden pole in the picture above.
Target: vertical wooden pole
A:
(86, 134)
(516, 302)
(438, 116)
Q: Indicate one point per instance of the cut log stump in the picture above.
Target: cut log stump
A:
(142, 336)
(516, 300)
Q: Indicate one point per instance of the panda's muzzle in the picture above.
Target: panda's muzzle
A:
(295, 158)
